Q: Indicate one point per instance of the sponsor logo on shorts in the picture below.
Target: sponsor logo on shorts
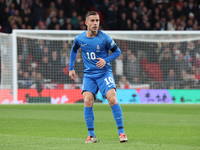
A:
(110, 85)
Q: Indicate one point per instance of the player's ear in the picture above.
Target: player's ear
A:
(85, 22)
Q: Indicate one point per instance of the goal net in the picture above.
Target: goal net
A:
(149, 60)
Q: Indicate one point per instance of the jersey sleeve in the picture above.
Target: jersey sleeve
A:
(76, 45)
(110, 43)
(113, 56)
(73, 54)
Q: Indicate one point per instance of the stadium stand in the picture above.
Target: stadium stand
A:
(114, 15)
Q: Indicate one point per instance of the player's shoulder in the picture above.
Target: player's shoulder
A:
(101, 33)
(80, 36)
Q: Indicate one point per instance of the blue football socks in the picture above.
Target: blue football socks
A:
(89, 119)
(117, 113)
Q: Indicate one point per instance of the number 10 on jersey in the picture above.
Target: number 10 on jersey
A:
(91, 56)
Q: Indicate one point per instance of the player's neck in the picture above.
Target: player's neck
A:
(91, 34)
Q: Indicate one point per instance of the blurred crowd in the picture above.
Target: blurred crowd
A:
(114, 14)
(171, 65)
(178, 63)
(45, 59)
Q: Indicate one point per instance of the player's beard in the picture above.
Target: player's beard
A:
(94, 32)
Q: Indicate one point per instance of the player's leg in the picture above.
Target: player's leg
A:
(89, 116)
(89, 89)
(88, 112)
(107, 88)
(117, 114)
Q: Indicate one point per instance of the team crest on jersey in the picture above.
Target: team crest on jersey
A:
(98, 48)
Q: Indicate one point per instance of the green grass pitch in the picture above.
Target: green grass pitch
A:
(62, 127)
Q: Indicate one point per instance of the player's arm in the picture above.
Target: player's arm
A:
(116, 52)
(73, 55)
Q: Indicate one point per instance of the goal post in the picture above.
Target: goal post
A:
(15, 80)
(6, 67)
(40, 61)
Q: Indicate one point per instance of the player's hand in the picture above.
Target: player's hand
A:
(101, 63)
(72, 75)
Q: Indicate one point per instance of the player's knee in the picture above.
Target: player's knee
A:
(112, 100)
(88, 99)
(88, 102)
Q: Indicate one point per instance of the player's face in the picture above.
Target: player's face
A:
(92, 23)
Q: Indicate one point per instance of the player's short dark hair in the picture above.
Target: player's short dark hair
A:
(89, 13)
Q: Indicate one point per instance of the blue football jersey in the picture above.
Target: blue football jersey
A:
(92, 48)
